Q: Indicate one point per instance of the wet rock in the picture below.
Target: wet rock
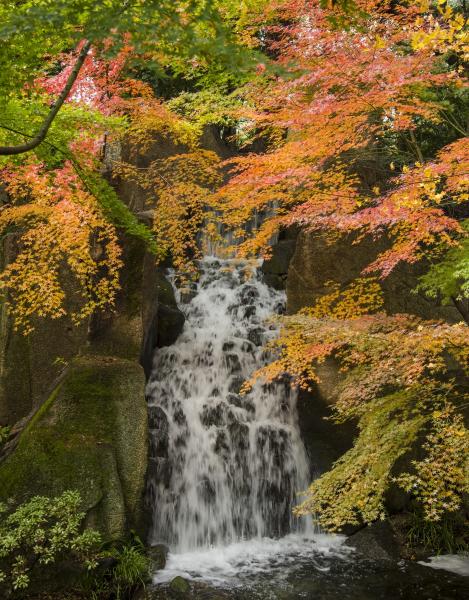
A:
(187, 294)
(159, 469)
(280, 308)
(179, 585)
(249, 311)
(377, 541)
(239, 433)
(255, 336)
(207, 491)
(221, 443)
(158, 445)
(158, 555)
(248, 294)
(180, 417)
(236, 384)
(180, 441)
(241, 402)
(163, 321)
(213, 415)
(157, 419)
(233, 363)
(248, 347)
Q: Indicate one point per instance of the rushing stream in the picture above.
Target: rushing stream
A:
(226, 468)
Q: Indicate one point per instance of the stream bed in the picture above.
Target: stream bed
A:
(316, 567)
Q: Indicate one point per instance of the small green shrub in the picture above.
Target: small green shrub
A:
(41, 532)
(448, 535)
(129, 570)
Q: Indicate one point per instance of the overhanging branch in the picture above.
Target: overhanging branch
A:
(41, 135)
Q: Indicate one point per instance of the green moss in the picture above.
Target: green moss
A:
(89, 436)
(179, 585)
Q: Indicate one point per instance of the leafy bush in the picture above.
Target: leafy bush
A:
(41, 532)
(128, 569)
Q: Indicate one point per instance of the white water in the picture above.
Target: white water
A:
(225, 468)
(230, 565)
(455, 563)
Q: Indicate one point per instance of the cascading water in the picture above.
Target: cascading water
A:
(224, 467)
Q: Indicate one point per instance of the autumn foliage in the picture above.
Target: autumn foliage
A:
(352, 123)
(365, 133)
(345, 125)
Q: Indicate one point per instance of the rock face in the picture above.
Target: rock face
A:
(30, 365)
(146, 315)
(91, 436)
(324, 440)
(316, 262)
(275, 269)
(83, 391)
(75, 396)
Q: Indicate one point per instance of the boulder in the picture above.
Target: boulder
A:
(91, 435)
(179, 585)
(158, 555)
(377, 541)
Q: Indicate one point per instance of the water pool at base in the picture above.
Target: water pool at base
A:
(317, 567)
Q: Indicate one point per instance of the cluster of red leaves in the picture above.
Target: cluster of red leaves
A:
(343, 92)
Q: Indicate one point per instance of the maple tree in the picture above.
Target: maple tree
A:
(398, 377)
(366, 133)
(353, 107)
(69, 93)
(362, 120)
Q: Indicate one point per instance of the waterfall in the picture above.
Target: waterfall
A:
(224, 467)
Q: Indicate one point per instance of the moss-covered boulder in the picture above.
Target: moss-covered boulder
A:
(91, 436)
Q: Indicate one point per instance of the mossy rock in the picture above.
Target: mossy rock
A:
(90, 436)
(179, 585)
(158, 555)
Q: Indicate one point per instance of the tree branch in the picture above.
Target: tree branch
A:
(41, 135)
(463, 308)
